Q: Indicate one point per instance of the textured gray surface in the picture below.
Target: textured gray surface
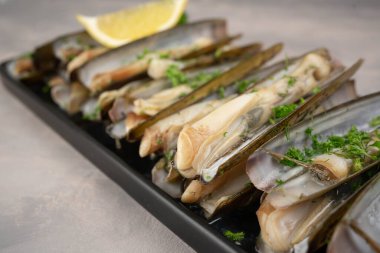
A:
(54, 200)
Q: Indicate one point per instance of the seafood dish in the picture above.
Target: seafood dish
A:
(224, 129)
(311, 176)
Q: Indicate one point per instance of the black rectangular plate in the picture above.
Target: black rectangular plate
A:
(133, 174)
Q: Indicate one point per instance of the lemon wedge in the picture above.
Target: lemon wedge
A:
(118, 28)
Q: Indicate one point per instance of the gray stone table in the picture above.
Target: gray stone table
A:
(54, 200)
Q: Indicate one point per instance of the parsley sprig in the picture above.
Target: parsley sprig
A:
(177, 77)
(234, 236)
(353, 145)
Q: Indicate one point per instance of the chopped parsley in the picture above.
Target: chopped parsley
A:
(221, 92)
(159, 141)
(225, 134)
(236, 237)
(279, 182)
(352, 145)
(92, 115)
(291, 80)
(286, 62)
(169, 155)
(70, 57)
(202, 78)
(164, 55)
(295, 154)
(218, 53)
(143, 54)
(175, 75)
(242, 86)
(183, 19)
(282, 111)
(28, 55)
(375, 122)
(316, 90)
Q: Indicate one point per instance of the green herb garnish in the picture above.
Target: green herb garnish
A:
(70, 57)
(202, 78)
(175, 75)
(375, 122)
(221, 92)
(183, 19)
(143, 54)
(295, 154)
(169, 155)
(291, 80)
(316, 90)
(242, 86)
(218, 53)
(279, 182)
(28, 55)
(286, 62)
(93, 115)
(236, 237)
(352, 145)
(282, 111)
(225, 134)
(164, 55)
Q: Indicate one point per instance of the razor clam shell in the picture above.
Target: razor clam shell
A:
(238, 72)
(145, 90)
(31, 76)
(359, 229)
(160, 179)
(217, 145)
(90, 107)
(166, 124)
(166, 97)
(153, 87)
(277, 72)
(263, 135)
(48, 57)
(313, 231)
(228, 195)
(178, 36)
(119, 109)
(264, 171)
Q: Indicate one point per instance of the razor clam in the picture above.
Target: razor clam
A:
(162, 99)
(69, 97)
(152, 87)
(142, 107)
(201, 143)
(164, 134)
(244, 150)
(227, 78)
(120, 64)
(304, 227)
(359, 229)
(158, 67)
(61, 50)
(23, 68)
(219, 56)
(221, 193)
(329, 169)
(161, 179)
(86, 55)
